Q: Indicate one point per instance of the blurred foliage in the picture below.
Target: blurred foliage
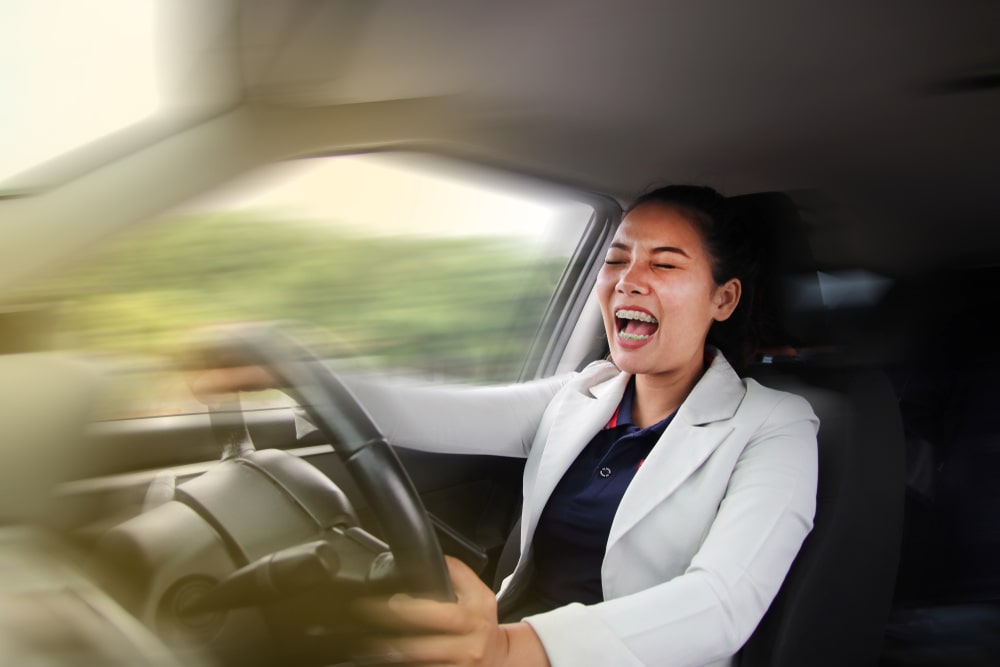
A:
(463, 307)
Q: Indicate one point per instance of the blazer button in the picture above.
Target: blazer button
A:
(604, 472)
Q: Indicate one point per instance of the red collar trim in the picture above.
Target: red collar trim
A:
(614, 418)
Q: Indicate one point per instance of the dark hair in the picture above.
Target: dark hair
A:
(734, 253)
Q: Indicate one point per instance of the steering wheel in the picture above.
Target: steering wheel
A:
(216, 556)
(418, 561)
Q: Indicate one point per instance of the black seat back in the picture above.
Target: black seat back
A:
(835, 603)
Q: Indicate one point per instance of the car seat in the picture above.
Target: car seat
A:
(835, 602)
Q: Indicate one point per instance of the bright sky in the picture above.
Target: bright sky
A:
(72, 72)
(391, 193)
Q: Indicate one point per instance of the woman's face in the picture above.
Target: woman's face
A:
(657, 294)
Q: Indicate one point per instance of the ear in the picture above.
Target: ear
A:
(726, 298)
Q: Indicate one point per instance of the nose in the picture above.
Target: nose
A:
(632, 280)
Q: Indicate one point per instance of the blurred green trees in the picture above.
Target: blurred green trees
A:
(463, 307)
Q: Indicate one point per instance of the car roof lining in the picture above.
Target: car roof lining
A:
(843, 99)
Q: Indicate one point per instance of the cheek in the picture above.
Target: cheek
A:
(679, 291)
(604, 291)
(605, 286)
(689, 297)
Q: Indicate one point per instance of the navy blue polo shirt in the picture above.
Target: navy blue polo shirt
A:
(573, 530)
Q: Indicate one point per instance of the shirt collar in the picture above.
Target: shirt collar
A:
(623, 413)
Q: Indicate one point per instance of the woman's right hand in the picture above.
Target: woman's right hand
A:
(463, 633)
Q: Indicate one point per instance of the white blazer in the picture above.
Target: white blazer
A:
(704, 534)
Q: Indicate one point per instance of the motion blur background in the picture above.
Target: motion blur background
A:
(400, 261)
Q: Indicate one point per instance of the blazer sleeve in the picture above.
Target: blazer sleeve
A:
(707, 613)
(464, 419)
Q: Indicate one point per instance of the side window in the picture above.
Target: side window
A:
(409, 263)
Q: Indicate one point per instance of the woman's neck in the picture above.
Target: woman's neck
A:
(658, 395)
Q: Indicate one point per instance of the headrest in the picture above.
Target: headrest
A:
(788, 289)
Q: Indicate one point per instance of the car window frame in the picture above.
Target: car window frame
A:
(562, 318)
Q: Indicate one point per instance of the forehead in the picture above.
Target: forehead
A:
(657, 225)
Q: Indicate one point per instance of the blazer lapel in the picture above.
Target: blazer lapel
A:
(701, 424)
(584, 411)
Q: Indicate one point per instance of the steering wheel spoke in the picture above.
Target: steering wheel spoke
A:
(360, 445)
(265, 534)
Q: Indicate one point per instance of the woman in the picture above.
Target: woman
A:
(664, 497)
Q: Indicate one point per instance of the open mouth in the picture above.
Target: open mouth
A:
(635, 324)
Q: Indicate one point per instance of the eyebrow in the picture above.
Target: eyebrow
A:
(656, 251)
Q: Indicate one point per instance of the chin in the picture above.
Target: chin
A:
(628, 363)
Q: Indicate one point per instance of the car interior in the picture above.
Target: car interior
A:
(342, 192)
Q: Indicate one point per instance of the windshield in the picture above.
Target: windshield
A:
(400, 262)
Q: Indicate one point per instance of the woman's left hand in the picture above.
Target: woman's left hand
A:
(464, 632)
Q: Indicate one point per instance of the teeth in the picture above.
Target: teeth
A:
(635, 315)
(631, 336)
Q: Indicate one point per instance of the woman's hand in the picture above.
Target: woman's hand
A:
(211, 385)
(464, 632)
